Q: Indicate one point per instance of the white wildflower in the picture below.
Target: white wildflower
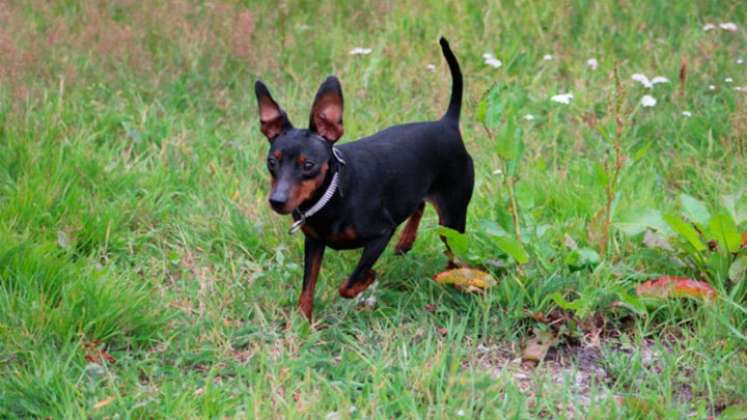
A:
(659, 79)
(529, 117)
(648, 101)
(497, 172)
(711, 87)
(728, 26)
(592, 63)
(431, 67)
(491, 60)
(563, 98)
(728, 80)
(741, 89)
(547, 57)
(740, 60)
(460, 413)
(687, 114)
(642, 79)
(709, 26)
(360, 51)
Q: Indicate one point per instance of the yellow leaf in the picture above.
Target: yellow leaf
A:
(103, 403)
(467, 279)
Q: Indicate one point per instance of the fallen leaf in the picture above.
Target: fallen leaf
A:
(95, 353)
(537, 347)
(430, 307)
(675, 286)
(467, 279)
(103, 403)
(442, 330)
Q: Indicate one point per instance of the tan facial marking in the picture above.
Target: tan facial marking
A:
(305, 189)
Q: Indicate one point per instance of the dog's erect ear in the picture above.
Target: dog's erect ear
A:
(326, 112)
(272, 119)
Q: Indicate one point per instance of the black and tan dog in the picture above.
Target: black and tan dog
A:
(356, 194)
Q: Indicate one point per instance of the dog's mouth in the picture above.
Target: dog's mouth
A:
(281, 208)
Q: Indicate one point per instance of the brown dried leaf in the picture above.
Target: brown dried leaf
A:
(467, 279)
(103, 403)
(537, 347)
(675, 286)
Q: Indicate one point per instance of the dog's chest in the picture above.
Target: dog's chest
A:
(343, 237)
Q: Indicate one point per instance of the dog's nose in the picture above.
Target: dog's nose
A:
(278, 200)
(277, 204)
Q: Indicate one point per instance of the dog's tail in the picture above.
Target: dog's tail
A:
(455, 104)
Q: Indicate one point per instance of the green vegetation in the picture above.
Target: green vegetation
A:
(143, 274)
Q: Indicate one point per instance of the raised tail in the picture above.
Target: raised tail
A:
(455, 103)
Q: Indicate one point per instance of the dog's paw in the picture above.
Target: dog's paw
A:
(350, 289)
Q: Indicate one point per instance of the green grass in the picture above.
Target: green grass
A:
(134, 223)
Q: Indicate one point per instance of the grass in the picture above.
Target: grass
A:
(142, 273)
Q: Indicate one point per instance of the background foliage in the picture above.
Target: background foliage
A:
(142, 273)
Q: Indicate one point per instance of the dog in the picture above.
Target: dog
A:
(356, 195)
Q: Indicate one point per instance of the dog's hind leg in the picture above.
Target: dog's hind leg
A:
(451, 206)
(407, 237)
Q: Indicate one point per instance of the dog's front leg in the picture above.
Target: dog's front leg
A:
(363, 275)
(313, 253)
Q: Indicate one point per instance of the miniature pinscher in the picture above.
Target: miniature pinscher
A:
(356, 194)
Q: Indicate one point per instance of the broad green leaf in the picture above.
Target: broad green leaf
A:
(738, 269)
(722, 228)
(631, 302)
(507, 142)
(524, 195)
(581, 306)
(457, 241)
(492, 228)
(695, 210)
(685, 230)
(582, 257)
(636, 221)
(559, 300)
(513, 248)
(736, 205)
(513, 164)
(718, 266)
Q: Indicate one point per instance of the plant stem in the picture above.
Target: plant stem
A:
(510, 182)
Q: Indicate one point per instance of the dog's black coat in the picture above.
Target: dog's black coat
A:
(385, 179)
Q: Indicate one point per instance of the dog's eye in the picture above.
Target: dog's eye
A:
(307, 166)
(271, 163)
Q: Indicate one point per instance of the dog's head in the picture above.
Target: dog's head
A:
(299, 159)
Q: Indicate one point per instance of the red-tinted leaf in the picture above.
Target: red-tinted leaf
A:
(744, 239)
(675, 286)
(95, 353)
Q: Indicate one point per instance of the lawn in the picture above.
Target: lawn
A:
(143, 274)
